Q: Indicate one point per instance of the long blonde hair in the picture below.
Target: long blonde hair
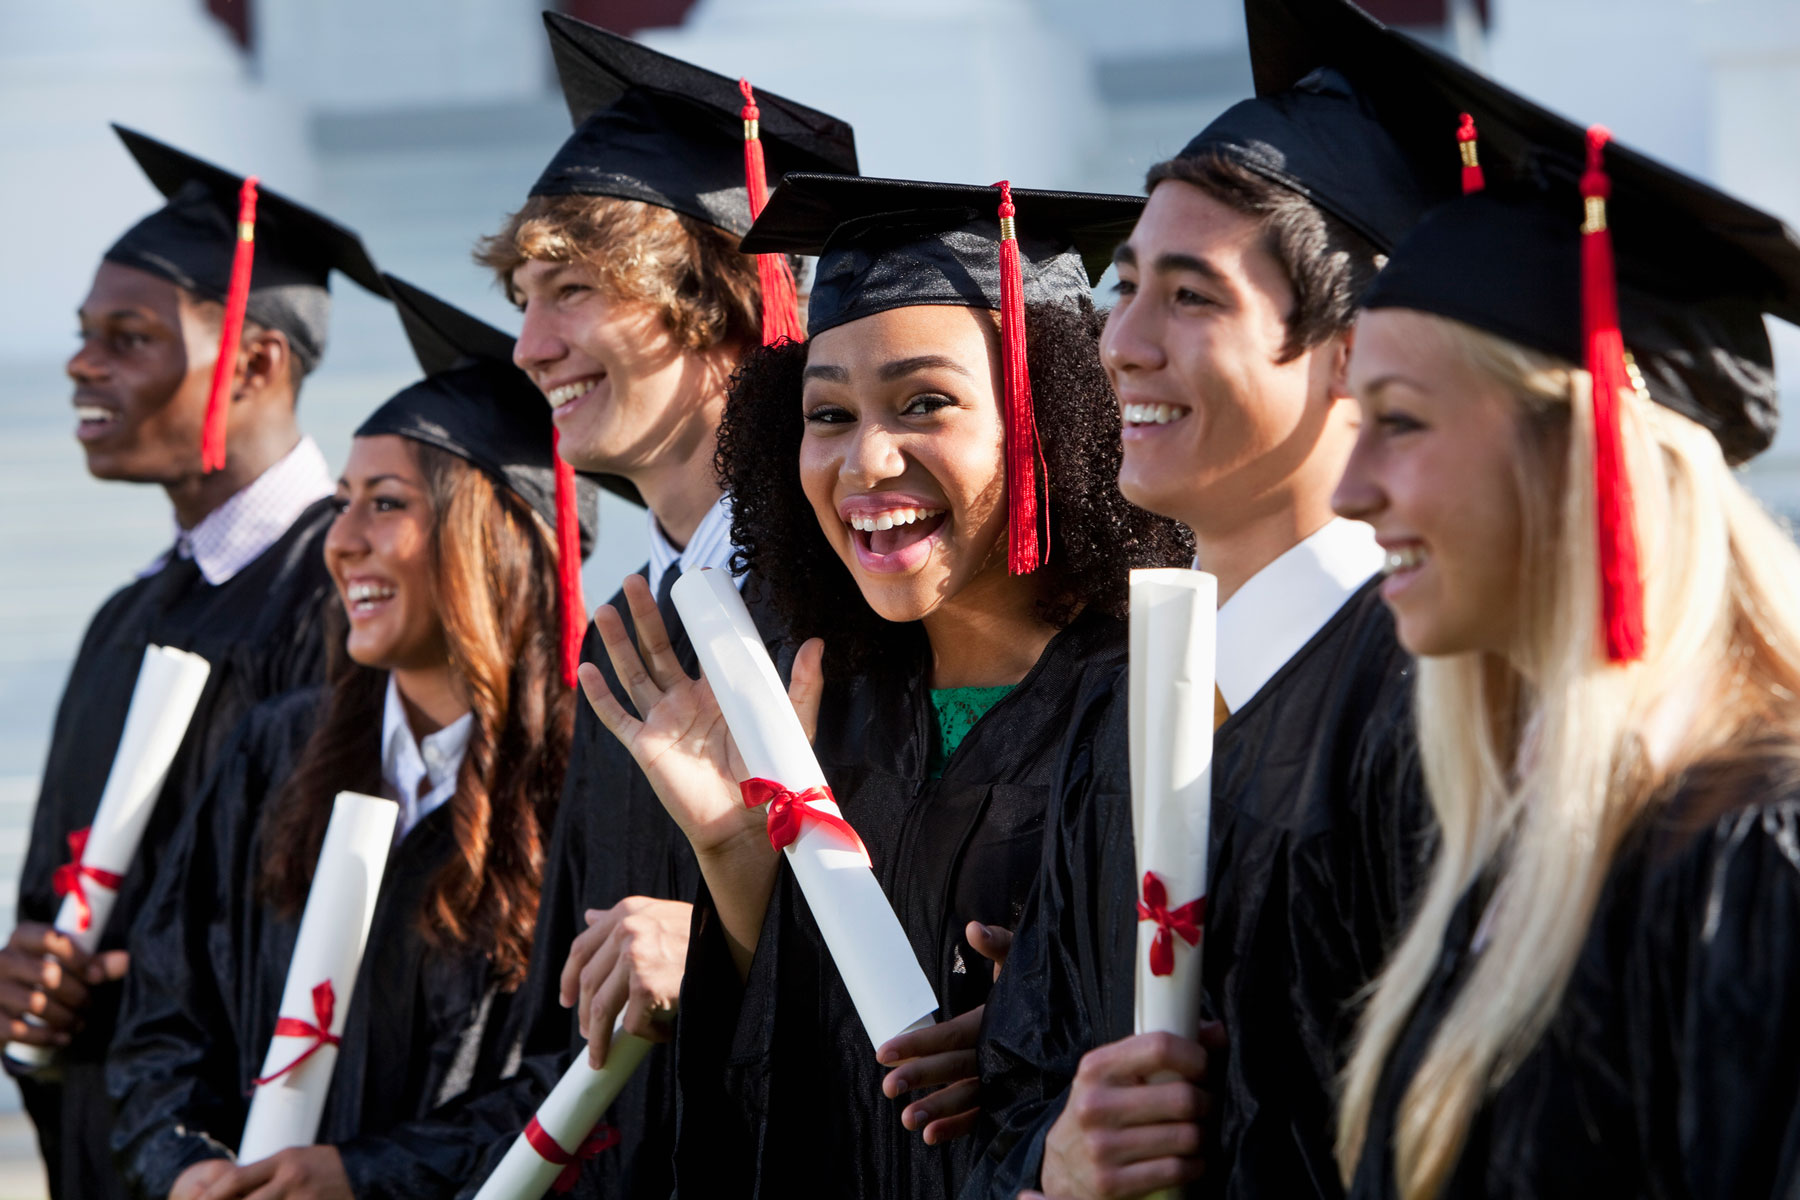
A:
(1538, 763)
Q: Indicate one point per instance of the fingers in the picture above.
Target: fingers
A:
(960, 1097)
(108, 967)
(992, 942)
(17, 1000)
(1137, 1058)
(1212, 1037)
(948, 1129)
(581, 951)
(606, 706)
(193, 1181)
(934, 1070)
(240, 1181)
(806, 685)
(652, 635)
(602, 1012)
(633, 675)
(958, 1033)
(601, 966)
(1116, 1108)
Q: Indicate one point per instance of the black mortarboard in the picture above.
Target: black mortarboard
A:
(192, 239)
(475, 404)
(653, 128)
(891, 243)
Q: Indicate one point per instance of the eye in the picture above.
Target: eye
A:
(1189, 298)
(340, 505)
(389, 504)
(924, 406)
(569, 291)
(828, 414)
(125, 340)
(1125, 287)
(1393, 423)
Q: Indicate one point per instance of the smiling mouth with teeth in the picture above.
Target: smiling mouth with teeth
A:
(885, 533)
(364, 596)
(560, 396)
(1153, 414)
(1403, 558)
(93, 414)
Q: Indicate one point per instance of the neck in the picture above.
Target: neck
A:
(249, 453)
(433, 697)
(1233, 556)
(989, 634)
(680, 491)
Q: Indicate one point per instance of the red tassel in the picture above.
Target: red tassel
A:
(1022, 455)
(231, 331)
(780, 295)
(568, 565)
(1466, 135)
(1621, 582)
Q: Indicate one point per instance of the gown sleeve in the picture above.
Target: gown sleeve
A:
(1710, 998)
(1067, 983)
(173, 1070)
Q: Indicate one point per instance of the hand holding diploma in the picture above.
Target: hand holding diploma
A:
(168, 688)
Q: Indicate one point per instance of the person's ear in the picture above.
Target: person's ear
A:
(1340, 347)
(265, 362)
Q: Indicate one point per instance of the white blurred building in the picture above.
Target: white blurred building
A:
(422, 122)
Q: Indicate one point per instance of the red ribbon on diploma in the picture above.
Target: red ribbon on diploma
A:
(604, 1137)
(319, 1029)
(1184, 921)
(789, 810)
(68, 877)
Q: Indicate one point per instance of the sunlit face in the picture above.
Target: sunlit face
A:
(902, 456)
(1214, 424)
(378, 551)
(141, 377)
(1436, 472)
(624, 393)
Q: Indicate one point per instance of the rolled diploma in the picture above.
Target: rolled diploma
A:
(865, 938)
(334, 929)
(1174, 667)
(568, 1114)
(1174, 624)
(168, 688)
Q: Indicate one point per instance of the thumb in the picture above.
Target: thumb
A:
(992, 942)
(110, 966)
(807, 685)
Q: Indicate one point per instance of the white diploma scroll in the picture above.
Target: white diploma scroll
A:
(168, 688)
(567, 1119)
(865, 938)
(328, 951)
(1174, 625)
(1174, 664)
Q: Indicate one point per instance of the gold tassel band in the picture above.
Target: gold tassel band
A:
(1007, 229)
(752, 130)
(1468, 154)
(246, 231)
(1596, 215)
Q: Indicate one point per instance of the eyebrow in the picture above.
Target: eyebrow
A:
(827, 372)
(116, 315)
(1168, 264)
(902, 367)
(372, 480)
(1382, 382)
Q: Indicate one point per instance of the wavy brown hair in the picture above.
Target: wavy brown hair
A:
(1096, 535)
(495, 590)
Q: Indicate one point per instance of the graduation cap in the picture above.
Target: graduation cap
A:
(655, 129)
(261, 255)
(1586, 250)
(894, 243)
(475, 404)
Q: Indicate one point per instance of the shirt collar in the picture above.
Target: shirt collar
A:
(235, 534)
(710, 545)
(1278, 610)
(407, 763)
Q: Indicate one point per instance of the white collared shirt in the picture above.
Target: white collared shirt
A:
(710, 546)
(418, 776)
(1278, 610)
(233, 535)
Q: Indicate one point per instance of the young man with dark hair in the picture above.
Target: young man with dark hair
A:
(243, 586)
(1227, 349)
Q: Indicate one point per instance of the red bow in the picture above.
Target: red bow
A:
(1184, 921)
(68, 877)
(788, 810)
(319, 1030)
(604, 1137)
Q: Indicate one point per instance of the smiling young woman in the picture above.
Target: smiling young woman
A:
(445, 694)
(874, 510)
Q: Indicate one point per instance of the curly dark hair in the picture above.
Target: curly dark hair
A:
(1096, 535)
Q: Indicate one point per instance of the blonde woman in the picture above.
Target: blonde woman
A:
(1599, 994)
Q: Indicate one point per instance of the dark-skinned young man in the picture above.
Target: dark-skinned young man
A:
(243, 585)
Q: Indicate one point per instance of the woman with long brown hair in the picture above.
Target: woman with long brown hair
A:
(446, 694)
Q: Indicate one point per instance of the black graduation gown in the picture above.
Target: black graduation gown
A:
(211, 960)
(1672, 1066)
(780, 1090)
(612, 839)
(262, 631)
(1316, 840)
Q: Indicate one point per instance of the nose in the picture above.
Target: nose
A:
(86, 365)
(1131, 339)
(873, 456)
(539, 344)
(1359, 495)
(345, 539)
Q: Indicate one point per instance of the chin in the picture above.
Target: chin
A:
(900, 605)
